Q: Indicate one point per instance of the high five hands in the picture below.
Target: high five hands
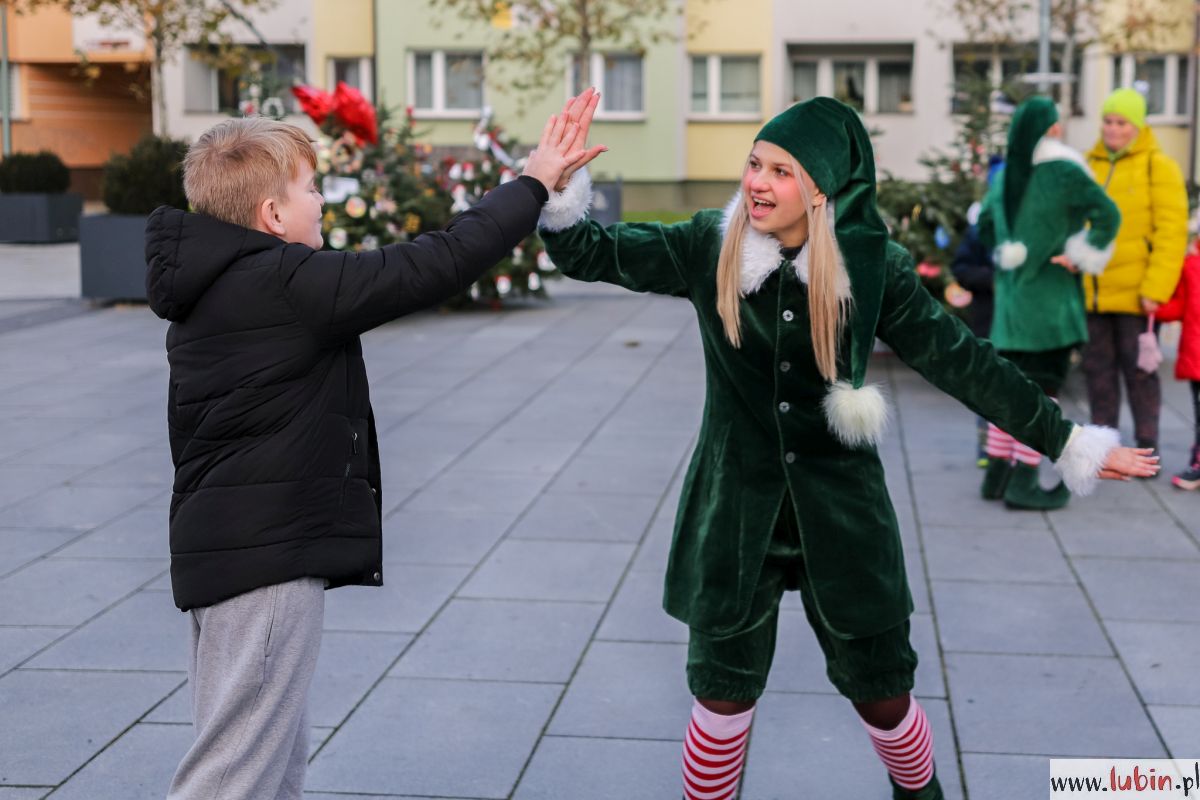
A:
(562, 149)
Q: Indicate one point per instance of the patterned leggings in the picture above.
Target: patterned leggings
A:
(1111, 354)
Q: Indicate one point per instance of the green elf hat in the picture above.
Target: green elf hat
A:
(828, 139)
(1029, 124)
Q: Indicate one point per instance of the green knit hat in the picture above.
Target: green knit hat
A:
(1129, 103)
(827, 137)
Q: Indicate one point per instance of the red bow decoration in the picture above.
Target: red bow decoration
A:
(345, 103)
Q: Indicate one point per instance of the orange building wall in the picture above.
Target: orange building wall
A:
(84, 124)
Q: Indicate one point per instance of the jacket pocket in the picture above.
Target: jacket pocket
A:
(354, 448)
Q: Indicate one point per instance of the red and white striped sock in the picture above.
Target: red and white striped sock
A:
(714, 752)
(999, 444)
(906, 751)
(1024, 454)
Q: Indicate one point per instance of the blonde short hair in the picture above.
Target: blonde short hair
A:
(238, 163)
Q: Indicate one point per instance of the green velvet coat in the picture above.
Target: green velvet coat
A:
(764, 435)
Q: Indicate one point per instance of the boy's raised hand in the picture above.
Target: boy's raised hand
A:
(1124, 463)
(580, 110)
(554, 152)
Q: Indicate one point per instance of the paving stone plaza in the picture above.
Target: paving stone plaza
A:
(532, 460)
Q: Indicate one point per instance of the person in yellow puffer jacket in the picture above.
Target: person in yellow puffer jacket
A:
(1147, 186)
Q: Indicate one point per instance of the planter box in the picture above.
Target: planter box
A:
(40, 218)
(112, 256)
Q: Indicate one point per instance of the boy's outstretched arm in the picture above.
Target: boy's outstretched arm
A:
(339, 295)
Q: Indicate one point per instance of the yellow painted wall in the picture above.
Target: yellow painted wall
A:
(342, 29)
(717, 150)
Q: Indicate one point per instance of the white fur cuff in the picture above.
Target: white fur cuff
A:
(1083, 255)
(1085, 453)
(1011, 255)
(568, 208)
(857, 417)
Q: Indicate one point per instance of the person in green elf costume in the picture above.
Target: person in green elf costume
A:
(792, 283)
(1047, 219)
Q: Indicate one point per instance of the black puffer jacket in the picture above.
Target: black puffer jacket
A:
(272, 436)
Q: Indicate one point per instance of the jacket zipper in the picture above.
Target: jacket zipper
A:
(1112, 167)
(346, 474)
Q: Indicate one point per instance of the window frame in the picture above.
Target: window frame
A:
(212, 76)
(995, 72)
(1124, 65)
(713, 112)
(825, 81)
(17, 112)
(438, 90)
(597, 72)
(364, 69)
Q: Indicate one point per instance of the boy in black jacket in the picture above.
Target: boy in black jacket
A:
(277, 482)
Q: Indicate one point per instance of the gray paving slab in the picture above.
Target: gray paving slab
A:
(1036, 705)
(137, 766)
(1180, 728)
(1035, 619)
(9, 793)
(149, 466)
(19, 482)
(811, 745)
(19, 547)
(636, 613)
(1161, 657)
(408, 599)
(547, 570)
(68, 591)
(604, 474)
(503, 640)
(969, 552)
(143, 533)
(513, 454)
(587, 516)
(627, 690)
(466, 490)
(18, 644)
(76, 507)
(1117, 534)
(143, 632)
(442, 536)
(349, 665)
(36, 747)
(1003, 777)
(438, 738)
(583, 769)
(1149, 590)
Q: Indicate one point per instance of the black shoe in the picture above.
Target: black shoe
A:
(1024, 491)
(930, 791)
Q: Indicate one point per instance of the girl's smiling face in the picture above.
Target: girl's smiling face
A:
(771, 192)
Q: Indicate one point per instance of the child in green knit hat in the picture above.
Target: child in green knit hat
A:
(1048, 219)
(791, 284)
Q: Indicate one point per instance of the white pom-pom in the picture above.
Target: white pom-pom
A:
(1011, 255)
(857, 417)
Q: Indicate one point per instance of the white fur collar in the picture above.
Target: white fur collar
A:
(1051, 149)
(761, 256)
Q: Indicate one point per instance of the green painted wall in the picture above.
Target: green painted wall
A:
(648, 150)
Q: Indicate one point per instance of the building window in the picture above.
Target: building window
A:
(15, 106)
(726, 87)
(211, 90)
(619, 79)
(354, 72)
(446, 84)
(1162, 80)
(875, 79)
(1005, 69)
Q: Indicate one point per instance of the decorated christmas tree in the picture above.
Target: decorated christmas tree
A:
(378, 181)
(493, 162)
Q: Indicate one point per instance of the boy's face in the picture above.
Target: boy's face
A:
(299, 214)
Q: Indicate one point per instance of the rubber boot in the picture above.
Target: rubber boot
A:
(995, 478)
(1024, 492)
(930, 791)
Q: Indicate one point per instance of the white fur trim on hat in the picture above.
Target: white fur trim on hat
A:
(760, 254)
(1086, 451)
(568, 208)
(1011, 255)
(1050, 149)
(857, 417)
(1087, 257)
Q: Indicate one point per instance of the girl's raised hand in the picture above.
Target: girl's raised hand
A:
(1124, 463)
(554, 152)
(580, 110)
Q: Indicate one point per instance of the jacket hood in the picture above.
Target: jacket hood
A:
(1144, 142)
(186, 253)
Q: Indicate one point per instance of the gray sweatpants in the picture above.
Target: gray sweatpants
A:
(252, 661)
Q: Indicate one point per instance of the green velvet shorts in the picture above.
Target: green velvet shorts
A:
(735, 667)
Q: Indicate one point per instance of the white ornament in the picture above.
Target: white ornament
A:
(503, 285)
(544, 263)
(456, 172)
(534, 282)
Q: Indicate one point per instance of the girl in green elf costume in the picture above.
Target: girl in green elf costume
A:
(792, 282)
(1047, 219)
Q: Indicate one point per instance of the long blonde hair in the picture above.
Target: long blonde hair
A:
(827, 311)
